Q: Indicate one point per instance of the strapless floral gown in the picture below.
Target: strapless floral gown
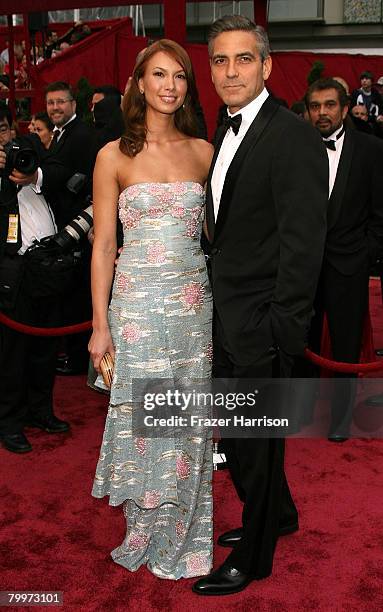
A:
(160, 318)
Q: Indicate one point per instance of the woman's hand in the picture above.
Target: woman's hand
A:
(99, 344)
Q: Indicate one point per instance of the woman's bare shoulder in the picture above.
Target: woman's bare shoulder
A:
(202, 148)
(110, 151)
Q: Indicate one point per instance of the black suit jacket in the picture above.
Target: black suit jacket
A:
(74, 152)
(355, 214)
(268, 240)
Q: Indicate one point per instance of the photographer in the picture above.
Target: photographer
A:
(27, 363)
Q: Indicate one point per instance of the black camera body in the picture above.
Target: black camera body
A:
(21, 157)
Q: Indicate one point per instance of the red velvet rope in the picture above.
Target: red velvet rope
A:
(45, 331)
(328, 364)
(341, 366)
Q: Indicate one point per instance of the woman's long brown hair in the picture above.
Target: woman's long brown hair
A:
(134, 106)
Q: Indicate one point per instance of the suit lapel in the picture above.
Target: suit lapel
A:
(210, 218)
(251, 138)
(343, 171)
(56, 145)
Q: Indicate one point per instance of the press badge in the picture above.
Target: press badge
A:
(13, 226)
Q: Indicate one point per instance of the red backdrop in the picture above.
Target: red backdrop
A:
(108, 57)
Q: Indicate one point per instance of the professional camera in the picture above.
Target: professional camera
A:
(53, 264)
(21, 157)
(75, 230)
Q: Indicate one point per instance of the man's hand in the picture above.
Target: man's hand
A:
(23, 179)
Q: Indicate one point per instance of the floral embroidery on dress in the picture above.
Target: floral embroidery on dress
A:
(151, 499)
(197, 564)
(140, 446)
(166, 198)
(123, 282)
(156, 252)
(132, 192)
(155, 189)
(156, 211)
(178, 211)
(209, 351)
(193, 295)
(180, 529)
(197, 188)
(182, 466)
(137, 540)
(130, 217)
(180, 189)
(192, 228)
(131, 333)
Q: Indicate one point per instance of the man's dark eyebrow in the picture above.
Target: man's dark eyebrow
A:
(241, 54)
(324, 102)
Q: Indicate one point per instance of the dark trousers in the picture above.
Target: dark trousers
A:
(27, 364)
(257, 469)
(344, 299)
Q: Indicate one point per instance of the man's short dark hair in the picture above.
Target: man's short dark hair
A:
(109, 91)
(5, 113)
(59, 86)
(322, 85)
(235, 23)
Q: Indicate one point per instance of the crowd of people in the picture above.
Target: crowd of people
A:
(49, 47)
(293, 223)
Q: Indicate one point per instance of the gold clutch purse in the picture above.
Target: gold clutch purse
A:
(106, 367)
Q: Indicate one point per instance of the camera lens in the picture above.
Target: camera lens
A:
(26, 161)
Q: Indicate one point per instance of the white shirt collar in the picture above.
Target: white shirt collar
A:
(334, 135)
(251, 110)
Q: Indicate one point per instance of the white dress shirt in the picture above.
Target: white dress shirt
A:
(36, 217)
(334, 156)
(231, 144)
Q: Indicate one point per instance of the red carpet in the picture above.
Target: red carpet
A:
(55, 536)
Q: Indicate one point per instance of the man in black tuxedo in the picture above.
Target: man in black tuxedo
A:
(354, 240)
(266, 217)
(74, 146)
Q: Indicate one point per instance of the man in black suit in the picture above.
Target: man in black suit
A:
(74, 146)
(27, 362)
(354, 240)
(266, 217)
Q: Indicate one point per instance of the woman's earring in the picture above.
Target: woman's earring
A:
(141, 92)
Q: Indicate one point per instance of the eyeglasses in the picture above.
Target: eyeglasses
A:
(4, 128)
(59, 102)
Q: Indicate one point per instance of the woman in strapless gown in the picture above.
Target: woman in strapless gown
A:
(158, 324)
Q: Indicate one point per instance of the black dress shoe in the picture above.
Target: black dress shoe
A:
(379, 352)
(336, 438)
(16, 443)
(223, 581)
(232, 537)
(49, 423)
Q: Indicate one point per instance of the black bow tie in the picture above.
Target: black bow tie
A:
(331, 144)
(233, 122)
